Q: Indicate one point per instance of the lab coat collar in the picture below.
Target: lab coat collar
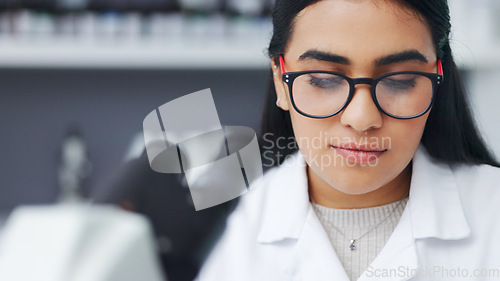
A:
(434, 204)
(434, 209)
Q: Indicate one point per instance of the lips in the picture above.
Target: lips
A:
(359, 153)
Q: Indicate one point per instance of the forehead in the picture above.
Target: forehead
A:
(362, 30)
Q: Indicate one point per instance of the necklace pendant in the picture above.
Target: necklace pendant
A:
(352, 246)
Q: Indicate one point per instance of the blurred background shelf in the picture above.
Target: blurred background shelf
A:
(110, 39)
(226, 53)
(185, 34)
(209, 54)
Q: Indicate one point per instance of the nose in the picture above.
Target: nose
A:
(362, 113)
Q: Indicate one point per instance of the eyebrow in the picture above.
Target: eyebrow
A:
(408, 55)
(404, 56)
(324, 56)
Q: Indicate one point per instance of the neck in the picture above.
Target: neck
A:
(325, 195)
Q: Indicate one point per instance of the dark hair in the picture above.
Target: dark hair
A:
(450, 133)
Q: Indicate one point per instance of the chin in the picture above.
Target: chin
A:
(355, 191)
(356, 188)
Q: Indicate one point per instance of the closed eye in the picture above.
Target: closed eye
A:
(398, 84)
(326, 81)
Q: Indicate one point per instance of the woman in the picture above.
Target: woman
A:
(392, 180)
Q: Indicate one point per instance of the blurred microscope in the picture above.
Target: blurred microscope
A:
(75, 240)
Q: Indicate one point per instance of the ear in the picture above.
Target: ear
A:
(280, 87)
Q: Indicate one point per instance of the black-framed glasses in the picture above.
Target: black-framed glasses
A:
(323, 94)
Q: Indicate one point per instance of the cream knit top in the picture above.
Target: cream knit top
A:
(354, 223)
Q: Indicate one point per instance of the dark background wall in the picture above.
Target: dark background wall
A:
(38, 105)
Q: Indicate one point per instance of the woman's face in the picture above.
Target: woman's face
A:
(358, 39)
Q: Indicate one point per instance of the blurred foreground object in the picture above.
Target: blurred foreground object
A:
(184, 236)
(77, 242)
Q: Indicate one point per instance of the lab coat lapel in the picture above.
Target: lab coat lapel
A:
(290, 216)
(313, 257)
(398, 259)
(286, 204)
(435, 206)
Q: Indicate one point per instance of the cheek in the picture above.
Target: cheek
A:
(309, 131)
(406, 134)
(298, 124)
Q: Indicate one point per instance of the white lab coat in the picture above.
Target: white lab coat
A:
(449, 228)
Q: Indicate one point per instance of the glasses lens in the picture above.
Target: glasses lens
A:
(320, 94)
(404, 95)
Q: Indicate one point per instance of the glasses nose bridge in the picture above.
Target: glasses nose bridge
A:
(362, 81)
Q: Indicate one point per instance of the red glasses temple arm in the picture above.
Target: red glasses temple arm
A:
(282, 65)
